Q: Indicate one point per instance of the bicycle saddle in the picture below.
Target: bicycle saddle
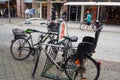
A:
(71, 38)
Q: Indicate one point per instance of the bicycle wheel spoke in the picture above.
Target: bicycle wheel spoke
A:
(20, 49)
(89, 70)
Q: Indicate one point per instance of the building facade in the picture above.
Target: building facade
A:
(75, 12)
(42, 7)
(108, 12)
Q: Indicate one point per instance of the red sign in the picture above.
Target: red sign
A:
(62, 30)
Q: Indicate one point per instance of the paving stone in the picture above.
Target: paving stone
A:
(107, 52)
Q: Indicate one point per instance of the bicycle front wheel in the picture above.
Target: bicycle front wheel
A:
(36, 61)
(90, 70)
(82, 26)
(20, 48)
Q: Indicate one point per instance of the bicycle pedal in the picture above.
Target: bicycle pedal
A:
(83, 78)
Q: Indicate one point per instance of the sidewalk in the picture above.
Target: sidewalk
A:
(11, 69)
(73, 25)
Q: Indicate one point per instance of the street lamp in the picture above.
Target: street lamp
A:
(9, 11)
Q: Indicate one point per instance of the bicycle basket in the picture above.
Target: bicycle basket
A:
(19, 33)
(54, 27)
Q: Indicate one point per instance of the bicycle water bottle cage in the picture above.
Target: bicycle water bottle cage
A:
(19, 33)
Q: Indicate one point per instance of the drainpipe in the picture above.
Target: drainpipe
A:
(9, 11)
(40, 10)
(82, 13)
(98, 12)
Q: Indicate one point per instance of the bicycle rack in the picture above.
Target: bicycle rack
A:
(49, 70)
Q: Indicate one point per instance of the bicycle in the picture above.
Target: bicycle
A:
(52, 50)
(22, 45)
(68, 62)
(52, 27)
(81, 65)
(92, 27)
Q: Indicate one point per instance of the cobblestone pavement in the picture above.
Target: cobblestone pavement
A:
(107, 52)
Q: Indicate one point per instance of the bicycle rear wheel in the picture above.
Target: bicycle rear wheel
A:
(20, 48)
(82, 26)
(90, 70)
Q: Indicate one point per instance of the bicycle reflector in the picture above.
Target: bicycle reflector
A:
(99, 62)
(77, 62)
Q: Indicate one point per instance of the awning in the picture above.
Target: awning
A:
(94, 3)
(28, 1)
(80, 3)
(108, 3)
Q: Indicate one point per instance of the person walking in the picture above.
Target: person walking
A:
(64, 15)
(53, 16)
(88, 19)
(1, 12)
(27, 13)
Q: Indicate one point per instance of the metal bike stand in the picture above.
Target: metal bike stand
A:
(51, 71)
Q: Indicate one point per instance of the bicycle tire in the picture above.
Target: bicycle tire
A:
(22, 46)
(82, 26)
(71, 69)
(37, 56)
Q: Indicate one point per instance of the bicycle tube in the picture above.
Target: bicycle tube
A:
(23, 45)
(72, 71)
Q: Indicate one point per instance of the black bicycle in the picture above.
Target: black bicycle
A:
(73, 70)
(51, 52)
(22, 45)
(81, 65)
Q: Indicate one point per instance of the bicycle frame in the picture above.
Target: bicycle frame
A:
(44, 38)
(66, 48)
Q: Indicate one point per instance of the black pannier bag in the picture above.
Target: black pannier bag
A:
(54, 27)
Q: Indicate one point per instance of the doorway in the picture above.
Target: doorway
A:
(44, 10)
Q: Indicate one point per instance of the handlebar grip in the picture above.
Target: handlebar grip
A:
(34, 30)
